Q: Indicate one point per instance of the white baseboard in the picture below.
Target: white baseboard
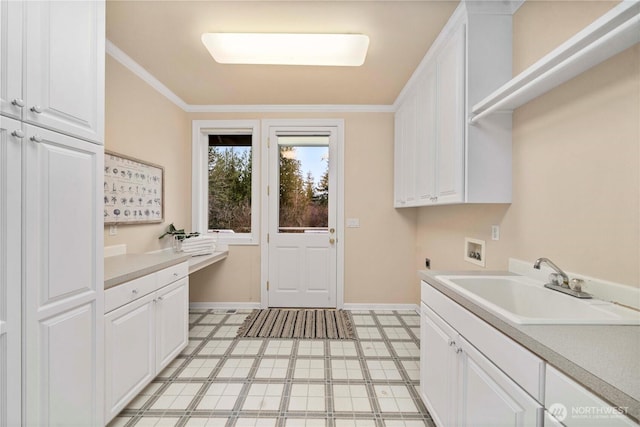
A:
(369, 306)
(224, 305)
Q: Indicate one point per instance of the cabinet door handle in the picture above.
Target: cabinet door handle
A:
(134, 291)
(18, 103)
(458, 350)
(36, 109)
(175, 274)
(452, 343)
(36, 138)
(18, 133)
(160, 298)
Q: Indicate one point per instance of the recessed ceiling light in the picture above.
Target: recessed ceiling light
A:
(287, 49)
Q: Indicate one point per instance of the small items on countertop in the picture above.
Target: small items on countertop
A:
(197, 245)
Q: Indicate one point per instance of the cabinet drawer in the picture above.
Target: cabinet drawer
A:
(520, 364)
(173, 273)
(120, 295)
(576, 406)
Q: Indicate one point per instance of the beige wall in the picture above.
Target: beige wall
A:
(378, 255)
(141, 123)
(576, 163)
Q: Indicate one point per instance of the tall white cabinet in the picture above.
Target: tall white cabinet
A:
(51, 157)
(440, 158)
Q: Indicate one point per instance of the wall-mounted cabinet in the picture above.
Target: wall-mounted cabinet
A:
(52, 65)
(440, 157)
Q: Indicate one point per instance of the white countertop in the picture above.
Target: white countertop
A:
(123, 268)
(603, 358)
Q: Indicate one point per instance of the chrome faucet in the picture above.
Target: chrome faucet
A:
(555, 283)
(565, 278)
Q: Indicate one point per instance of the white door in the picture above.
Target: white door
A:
(10, 281)
(64, 76)
(63, 280)
(302, 225)
(11, 98)
(172, 321)
(451, 120)
(130, 350)
(488, 397)
(437, 366)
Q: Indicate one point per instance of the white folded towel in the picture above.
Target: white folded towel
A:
(197, 245)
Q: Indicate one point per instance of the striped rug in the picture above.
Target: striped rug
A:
(297, 323)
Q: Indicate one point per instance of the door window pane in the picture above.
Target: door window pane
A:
(304, 184)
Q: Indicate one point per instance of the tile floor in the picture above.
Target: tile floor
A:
(220, 380)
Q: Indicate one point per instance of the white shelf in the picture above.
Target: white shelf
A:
(607, 36)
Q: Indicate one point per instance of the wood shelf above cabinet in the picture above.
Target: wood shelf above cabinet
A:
(607, 36)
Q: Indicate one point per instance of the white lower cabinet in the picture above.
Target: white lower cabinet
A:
(575, 406)
(172, 322)
(130, 352)
(461, 387)
(142, 336)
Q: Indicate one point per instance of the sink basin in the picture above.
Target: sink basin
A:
(522, 300)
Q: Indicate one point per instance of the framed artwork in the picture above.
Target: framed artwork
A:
(133, 190)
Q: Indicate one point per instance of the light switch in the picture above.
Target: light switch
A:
(353, 222)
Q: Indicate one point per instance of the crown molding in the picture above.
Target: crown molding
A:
(128, 62)
(137, 69)
(291, 108)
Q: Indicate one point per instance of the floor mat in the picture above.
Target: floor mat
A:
(297, 323)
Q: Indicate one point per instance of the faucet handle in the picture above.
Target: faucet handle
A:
(556, 279)
(576, 284)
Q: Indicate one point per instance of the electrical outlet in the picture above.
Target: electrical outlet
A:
(113, 230)
(427, 263)
(495, 232)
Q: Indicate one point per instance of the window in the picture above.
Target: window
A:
(229, 184)
(225, 174)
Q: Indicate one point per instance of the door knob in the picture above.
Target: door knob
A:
(332, 230)
(332, 240)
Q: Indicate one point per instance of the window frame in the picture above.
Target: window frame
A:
(201, 129)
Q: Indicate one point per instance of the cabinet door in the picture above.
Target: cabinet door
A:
(129, 337)
(426, 137)
(410, 136)
(10, 280)
(488, 397)
(11, 99)
(64, 76)
(437, 366)
(172, 320)
(399, 175)
(451, 119)
(62, 279)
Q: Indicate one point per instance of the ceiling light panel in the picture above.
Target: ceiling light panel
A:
(287, 49)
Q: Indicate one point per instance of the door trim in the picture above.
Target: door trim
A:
(338, 124)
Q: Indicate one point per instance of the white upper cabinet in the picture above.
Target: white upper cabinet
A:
(53, 65)
(11, 99)
(450, 160)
